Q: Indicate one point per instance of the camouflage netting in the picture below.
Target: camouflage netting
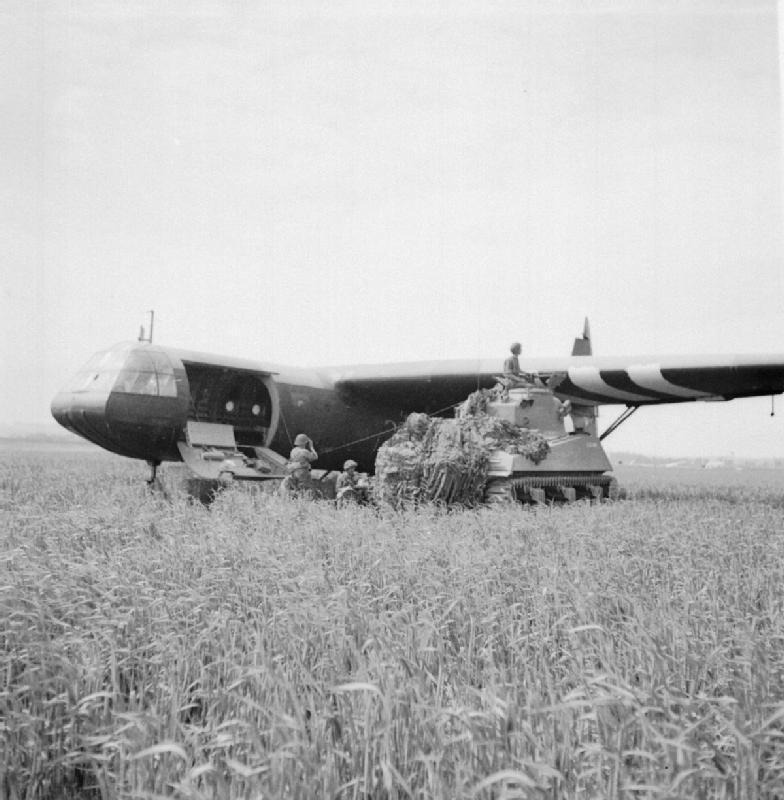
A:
(446, 460)
(499, 434)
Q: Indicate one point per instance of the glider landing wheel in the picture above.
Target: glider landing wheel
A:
(154, 483)
(153, 465)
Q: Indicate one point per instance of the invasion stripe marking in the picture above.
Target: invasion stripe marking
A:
(649, 376)
(589, 379)
(618, 379)
(567, 389)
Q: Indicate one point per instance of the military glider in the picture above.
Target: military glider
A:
(159, 403)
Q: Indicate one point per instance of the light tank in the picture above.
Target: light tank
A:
(575, 465)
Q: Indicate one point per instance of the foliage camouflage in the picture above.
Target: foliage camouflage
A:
(430, 459)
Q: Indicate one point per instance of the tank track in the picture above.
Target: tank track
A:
(563, 488)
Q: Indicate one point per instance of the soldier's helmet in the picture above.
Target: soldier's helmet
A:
(226, 472)
(301, 440)
(349, 464)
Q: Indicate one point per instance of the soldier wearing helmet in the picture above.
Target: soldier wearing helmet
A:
(303, 452)
(512, 372)
(302, 455)
(512, 363)
(226, 472)
(348, 478)
(349, 486)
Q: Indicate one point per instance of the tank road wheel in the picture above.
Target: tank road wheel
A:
(526, 492)
(612, 490)
(537, 495)
(567, 493)
(595, 492)
(500, 491)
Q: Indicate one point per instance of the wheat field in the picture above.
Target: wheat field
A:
(271, 648)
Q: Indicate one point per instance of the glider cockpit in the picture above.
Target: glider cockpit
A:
(128, 399)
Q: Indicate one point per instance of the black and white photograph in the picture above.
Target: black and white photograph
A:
(392, 400)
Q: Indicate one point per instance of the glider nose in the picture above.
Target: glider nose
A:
(83, 414)
(81, 405)
(130, 400)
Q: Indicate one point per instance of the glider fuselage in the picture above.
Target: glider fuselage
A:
(139, 400)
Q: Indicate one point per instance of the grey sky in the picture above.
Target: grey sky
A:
(358, 181)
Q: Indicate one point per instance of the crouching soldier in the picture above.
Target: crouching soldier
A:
(350, 486)
(297, 483)
(226, 482)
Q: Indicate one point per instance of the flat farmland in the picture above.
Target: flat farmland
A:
(262, 647)
(668, 480)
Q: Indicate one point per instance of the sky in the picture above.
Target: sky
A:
(320, 183)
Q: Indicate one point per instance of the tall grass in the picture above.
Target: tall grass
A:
(275, 648)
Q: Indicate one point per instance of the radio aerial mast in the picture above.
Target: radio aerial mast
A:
(148, 338)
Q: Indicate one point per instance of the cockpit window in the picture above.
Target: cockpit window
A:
(147, 372)
(130, 371)
(99, 373)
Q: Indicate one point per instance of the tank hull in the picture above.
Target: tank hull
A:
(576, 453)
(575, 467)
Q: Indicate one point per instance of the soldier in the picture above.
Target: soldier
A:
(348, 485)
(303, 451)
(226, 472)
(514, 374)
(512, 363)
(302, 455)
(296, 483)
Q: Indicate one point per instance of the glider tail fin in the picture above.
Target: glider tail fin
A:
(584, 416)
(582, 345)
